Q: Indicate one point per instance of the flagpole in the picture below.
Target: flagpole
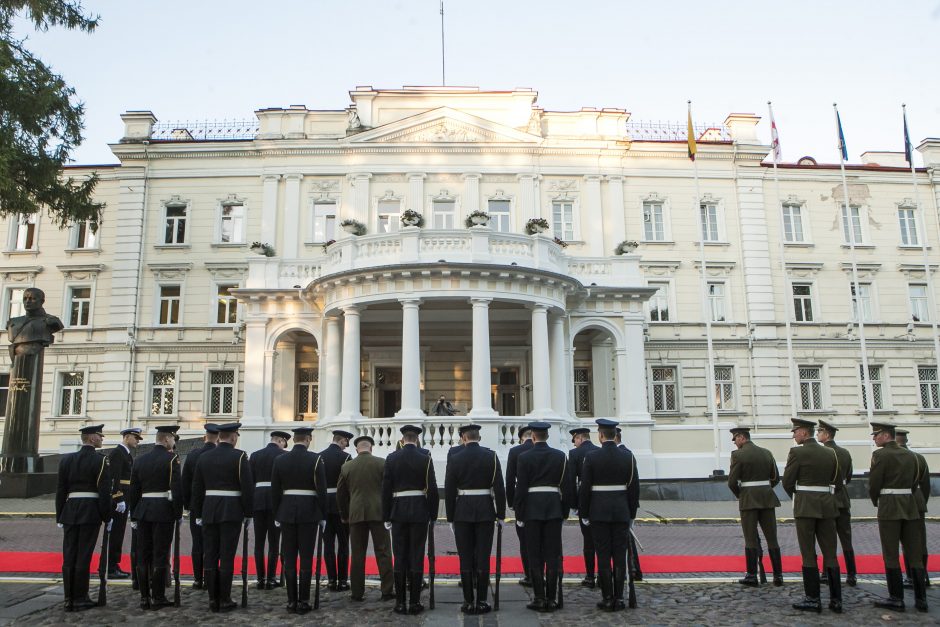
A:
(706, 307)
(788, 298)
(923, 245)
(443, 74)
(866, 378)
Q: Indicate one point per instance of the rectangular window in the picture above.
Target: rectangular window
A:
(724, 388)
(664, 388)
(221, 392)
(716, 301)
(582, 390)
(856, 225)
(908, 224)
(863, 300)
(226, 311)
(14, 303)
(920, 309)
(659, 303)
(653, 225)
(71, 394)
(810, 388)
(25, 232)
(389, 212)
(444, 213)
(709, 219)
(308, 390)
(79, 306)
(86, 234)
(499, 215)
(324, 221)
(170, 298)
(563, 219)
(793, 223)
(802, 302)
(877, 389)
(929, 387)
(175, 232)
(162, 393)
(232, 224)
(4, 392)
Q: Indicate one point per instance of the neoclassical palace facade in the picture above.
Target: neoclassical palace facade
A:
(223, 285)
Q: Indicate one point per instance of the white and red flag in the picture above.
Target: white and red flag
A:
(774, 138)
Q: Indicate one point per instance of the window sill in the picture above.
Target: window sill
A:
(929, 412)
(654, 242)
(83, 251)
(670, 414)
(228, 245)
(878, 412)
(714, 243)
(24, 253)
(171, 246)
(816, 412)
(862, 246)
(799, 244)
(727, 412)
(909, 247)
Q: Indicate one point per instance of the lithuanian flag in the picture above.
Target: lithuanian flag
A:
(691, 136)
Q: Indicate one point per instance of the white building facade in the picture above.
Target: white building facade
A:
(173, 315)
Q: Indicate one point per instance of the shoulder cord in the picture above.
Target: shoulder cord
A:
(493, 479)
(837, 476)
(563, 469)
(170, 484)
(104, 462)
(315, 466)
(427, 474)
(240, 466)
(632, 472)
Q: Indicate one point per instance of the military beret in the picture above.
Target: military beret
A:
(280, 434)
(343, 434)
(411, 429)
(300, 431)
(89, 430)
(828, 427)
(168, 428)
(230, 427)
(606, 423)
(464, 428)
(878, 427)
(363, 437)
(799, 423)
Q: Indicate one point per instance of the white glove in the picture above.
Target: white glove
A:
(277, 524)
(500, 523)
(110, 523)
(388, 525)
(247, 523)
(322, 524)
(59, 525)
(133, 524)
(451, 525)
(121, 507)
(585, 522)
(520, 524)
(198, 523)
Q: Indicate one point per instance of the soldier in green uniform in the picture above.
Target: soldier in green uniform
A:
(752, 478)
(826, 434)
(892, 483)
(922, 495)
(809, 478)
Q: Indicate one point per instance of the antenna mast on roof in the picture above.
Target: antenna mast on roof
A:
(443, 75)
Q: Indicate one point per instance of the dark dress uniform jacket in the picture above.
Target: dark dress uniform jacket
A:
(894, 467)
(120, 462)
(544, 466)
(83, 471)
(576, 457)
(609, 465)
(262, 463)
(475, 468)
(845, 470)
(409, 469)
(189, 472)
(512, 464)
(812, 464)
(298, 470)
(753, 463)
(359, 491)
(334, 457)
(156, 471)
(222, 468)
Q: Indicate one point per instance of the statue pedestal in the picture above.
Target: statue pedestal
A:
(24, 485)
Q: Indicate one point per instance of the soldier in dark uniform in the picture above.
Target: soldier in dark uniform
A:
(336, 534)
(120, 461)
(809, 478)
(261, 462)
(189, 473)
(581, 438)
(609, 497)
(544, 495)
(892, 485)
(922, 495)
(752, 479)
(409, 504)
(636, 573)
(156, 501)
(298, 491)
(82, 503)
(826, 434)
(222, 492)
(474, 497)
(512, 461)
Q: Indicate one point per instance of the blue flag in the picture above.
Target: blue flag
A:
(908, 148)
(842, 149)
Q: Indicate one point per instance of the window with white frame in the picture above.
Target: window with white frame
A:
(654, 223)
(24, 232)
(170, 300)
(724, 388)
(582, 390)
(221, 392)
(793, 223)
(324, 221)
(499, 209)
(876, 376)
(84, 235)
(563, 219)
(71, 394)
(852, 224)
(79, 305)
(907, 220)
(444, 213)
(4, 392)
(389, 216)
(664, 382)
(811, 397)
(920, 308)
(863, 300)
(802, 302)
(226, 305)
(162, 393)
(929, 387)
(308, 390)
(175, 227)
(658, 304)
(708, 213)
(14, 303)
(717, 304)
(232, 223)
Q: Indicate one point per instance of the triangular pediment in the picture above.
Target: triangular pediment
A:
(443, 126)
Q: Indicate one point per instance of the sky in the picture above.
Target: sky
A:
(209, 60)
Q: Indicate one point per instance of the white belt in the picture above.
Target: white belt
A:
(331, 490)
(83, 495)
(223, 493)
(830, 489)
(752, 484)
(157, 495)
(263, 484)
(480, 492)
(545, 488)
(300, 492)
(608, 488)
(898, 491)
(403, 493)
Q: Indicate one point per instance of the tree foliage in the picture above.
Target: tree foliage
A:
(40, 120)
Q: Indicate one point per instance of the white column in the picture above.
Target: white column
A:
(471, 192)
(360, 185)
(410, 360)
(290, 234)
(285, 383)
(332, 381)
(592, 217)
(557, 358)
(269, 209)
(631, 372)
(416, 192)
(480, 372)
(601, 379)
(541, 373)
(254, 372)
(615, 229)
(351, 377)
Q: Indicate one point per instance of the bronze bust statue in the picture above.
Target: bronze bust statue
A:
(31, 333)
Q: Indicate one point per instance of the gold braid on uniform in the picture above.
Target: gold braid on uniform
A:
(240, 466)
(561, 479)
(104, 462)
(427, 474)
(493, 479)
(835, 477)
(632, 473)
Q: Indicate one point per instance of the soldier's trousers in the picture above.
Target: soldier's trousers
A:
(610, 540)
(523, 549)
(196, 551)
(336, 548)
(809, 531)
(78, 544)
(359, 542)
(265, 529)
(221, 544)
(766, 518)
(408, 546)
(543, 538)
(589, 547)
(844, 529)
(474, 545)
(116, 539)
(905, 532)
(154, 541)
(298, 542)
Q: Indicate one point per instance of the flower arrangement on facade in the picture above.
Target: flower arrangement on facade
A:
(328, 243)
(410, 217)
(354, 227)
(536, 225)
(626, 247)
(477, 218)
(260, 248)
(560, 242)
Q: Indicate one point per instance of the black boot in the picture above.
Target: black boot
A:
(919, 577)
(401, 606)
(750, 560)
(538, 592)
(290, 579)
(466, 584)
(834, 577)
(776, 563)
(143, 580)
(620, 579)
(259, 566)
(589, 581)
(895, 600)
(158, 589)
(67, 588)
(342, 572)
(303, 594)
(211, 577)
(606, 582)
(850, 573)
(810, 602)
(635, 572)
(225, 591)
(551, 590)
(483, 585)
(416, 580)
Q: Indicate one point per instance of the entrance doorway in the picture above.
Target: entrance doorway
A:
(504, 390)
(387, 392)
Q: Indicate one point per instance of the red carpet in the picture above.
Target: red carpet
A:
(27, 562)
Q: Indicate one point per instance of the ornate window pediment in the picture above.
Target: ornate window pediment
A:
(20, 274)
(81, 272)
(169, 271)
